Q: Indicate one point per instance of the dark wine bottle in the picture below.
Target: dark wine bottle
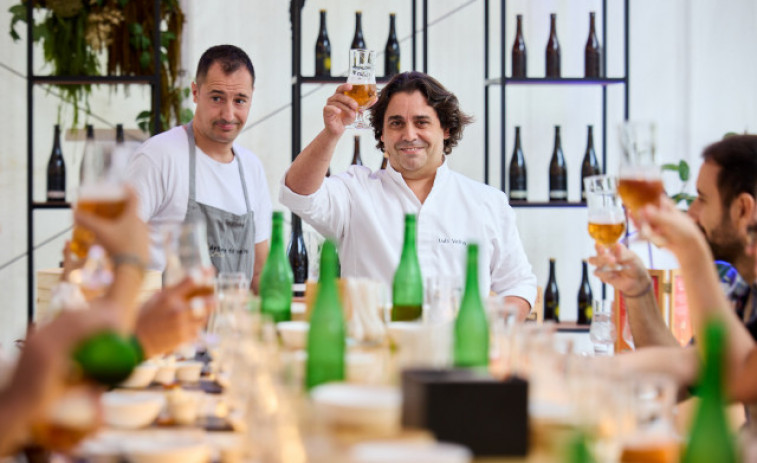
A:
(592, 52)
(553, 50)
(356, 160)
(323, 50)
(56, 171)
(119, 134)
(357, 39)
(519, 51)
(384, 162)
(585, 297)
(518, 180)
(558, 172)
(298, 257)
(89, 148)
(552, 295)
(590, 165)
(392, 50)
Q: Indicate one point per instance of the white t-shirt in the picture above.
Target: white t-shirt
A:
(159, 171)
(364, 212)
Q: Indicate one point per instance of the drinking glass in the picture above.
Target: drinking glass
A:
(607, 221)
(640, 180)
(602, 331)
(362, 76)
(101, 191)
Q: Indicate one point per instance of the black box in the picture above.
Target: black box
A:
(486, 415)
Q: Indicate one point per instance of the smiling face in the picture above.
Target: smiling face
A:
(223, 104)
(413, 136)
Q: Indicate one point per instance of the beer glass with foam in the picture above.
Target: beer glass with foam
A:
(362, 76)
(101, 190)
(607, 221)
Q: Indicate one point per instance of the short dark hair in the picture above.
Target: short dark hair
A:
(229, 57)
(737, 157)
(442, 100)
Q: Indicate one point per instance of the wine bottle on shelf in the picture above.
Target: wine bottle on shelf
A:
(56, 171)
(276, 277)
(89, 148)
(384, 162)
(326, 336)
(119, 134)
(471, 342)
(356, 159)
(323, 50)
(710, 437)
(392, 50)
(590, 165)
(519, 51)
(552, 296)
(298, 257)
(585, 297)
(407, 286)
(558, 172)
(518, 180)
(553, 50)
(357, 40)
(592, 52)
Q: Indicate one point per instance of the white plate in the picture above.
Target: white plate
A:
(409, 452)
(362, 406)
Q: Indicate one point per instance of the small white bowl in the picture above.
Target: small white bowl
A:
(183, 406)
(188, 371)
(168, 448)
(142, 376)
(294, 334)
(131, 409)
(166, 373)
(358, 406)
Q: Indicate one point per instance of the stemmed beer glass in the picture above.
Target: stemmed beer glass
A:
(607, 221)
(362, 76)
(640, 178)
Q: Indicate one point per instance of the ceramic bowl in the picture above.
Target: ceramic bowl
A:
(188, 371)
(294, 334)
(142, 376)
(131, 409)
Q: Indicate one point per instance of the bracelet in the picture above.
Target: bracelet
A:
(639, 294)
(129, 259)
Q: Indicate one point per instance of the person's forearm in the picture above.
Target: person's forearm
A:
(524, 308)
(127, 280)
(645, 320)
(307, 172)
(14, 421)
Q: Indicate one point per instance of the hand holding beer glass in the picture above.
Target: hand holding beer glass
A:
(362, 76)
(640, 178)
(607, 221)
(102, 191)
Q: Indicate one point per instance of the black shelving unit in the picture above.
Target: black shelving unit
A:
(505, 82)
(153, 80)
(298, 80)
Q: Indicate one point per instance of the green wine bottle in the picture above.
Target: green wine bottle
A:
(276, 278)
(326, 337)
(471, 326)
(710, 437)
(407, 287)
(107, 357)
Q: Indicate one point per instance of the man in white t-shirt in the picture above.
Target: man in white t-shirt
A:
(417, 122)
(197, 172)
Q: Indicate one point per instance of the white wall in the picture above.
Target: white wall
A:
(691, 72)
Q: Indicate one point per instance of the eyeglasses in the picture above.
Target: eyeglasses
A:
(751, 235)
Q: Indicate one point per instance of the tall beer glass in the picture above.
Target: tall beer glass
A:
(362, 76)
(101, 191)
(607, 220)
(640, 180)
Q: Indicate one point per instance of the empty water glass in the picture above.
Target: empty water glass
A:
(602, 332)
(442, 298)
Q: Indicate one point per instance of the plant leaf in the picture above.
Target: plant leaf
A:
(673, 167)
(683, 171)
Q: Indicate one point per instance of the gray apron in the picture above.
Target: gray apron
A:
(231, 237)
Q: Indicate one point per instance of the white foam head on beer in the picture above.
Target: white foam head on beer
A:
(102, 191)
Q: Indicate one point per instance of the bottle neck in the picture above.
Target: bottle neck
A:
(409, 245)
(296, 225)
(56, 138)
(584, 271)
(327, 276)
(553, 25)
(277, 236)
(590, 139)
(558, 142)
(472, 294)
(592, 30)
(392, 30)
(323, 23)
(358, 24)
(519, 26)
(551, 270)
(517, 139)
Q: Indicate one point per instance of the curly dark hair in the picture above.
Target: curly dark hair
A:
(442, 100)
(737, 157)
(229, 57)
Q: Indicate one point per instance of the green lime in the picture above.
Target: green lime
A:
(106, 357)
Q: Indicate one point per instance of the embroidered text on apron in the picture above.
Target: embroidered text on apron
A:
(231, 237)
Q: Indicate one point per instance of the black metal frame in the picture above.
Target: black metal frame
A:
(298, 79)
(504, 82)
(153, 80)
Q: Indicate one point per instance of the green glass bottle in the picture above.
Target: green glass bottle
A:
(407, 287)
(107, 357)
(276, 278)
(326, 337)
(471, 326)
(710, 437)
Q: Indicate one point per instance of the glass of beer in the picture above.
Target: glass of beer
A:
(362, 76)
(101, 190)
(187, 254)
(640, 179)
(607, 220)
